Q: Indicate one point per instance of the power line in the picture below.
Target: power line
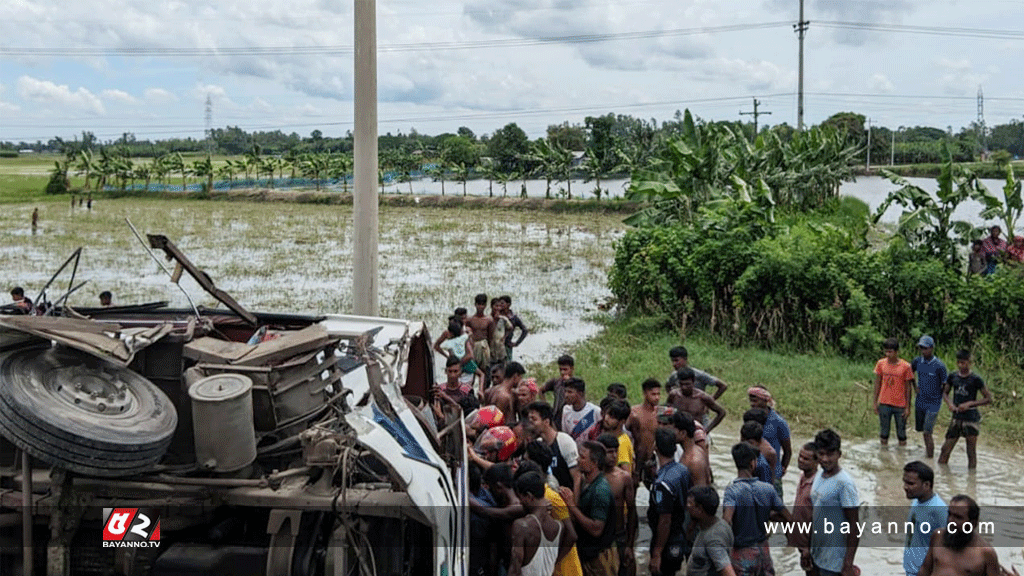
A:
(755, 114)
(407, 47)
(932, 30)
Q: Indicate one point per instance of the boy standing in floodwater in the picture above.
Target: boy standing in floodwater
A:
(931, 376)
(893, 377)
(965, 385)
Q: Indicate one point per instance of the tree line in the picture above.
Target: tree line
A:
(599, 148)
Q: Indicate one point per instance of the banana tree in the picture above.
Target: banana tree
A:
(927, 221)
(340, 165)
(489, 169)
(84, 165)
(437, 171)
(553, 162)
(144, 172)
(203, 168)
(1010, 208)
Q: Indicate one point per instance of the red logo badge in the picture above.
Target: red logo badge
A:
(131, 527)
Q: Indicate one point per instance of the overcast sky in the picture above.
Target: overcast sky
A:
(115, 66)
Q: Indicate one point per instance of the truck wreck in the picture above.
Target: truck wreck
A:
(145, 440)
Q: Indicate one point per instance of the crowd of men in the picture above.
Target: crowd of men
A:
(554, 477)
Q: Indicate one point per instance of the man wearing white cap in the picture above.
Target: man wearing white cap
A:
(931, 375)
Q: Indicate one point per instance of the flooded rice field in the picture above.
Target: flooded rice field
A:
(297, 258)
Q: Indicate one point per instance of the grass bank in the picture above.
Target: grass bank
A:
(931, 170)
(813, 391)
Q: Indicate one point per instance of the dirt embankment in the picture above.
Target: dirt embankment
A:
(336, 198)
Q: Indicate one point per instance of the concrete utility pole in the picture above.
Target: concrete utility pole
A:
(868, 165)
(755, 114)
(365, 219)
(801, 29)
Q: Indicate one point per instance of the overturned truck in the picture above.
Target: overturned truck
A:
(144, 440)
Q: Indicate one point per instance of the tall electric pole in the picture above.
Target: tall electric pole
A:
(365, 217)
(755, 114)
(801, 29)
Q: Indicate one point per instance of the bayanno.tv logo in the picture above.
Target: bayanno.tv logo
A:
(131, 528)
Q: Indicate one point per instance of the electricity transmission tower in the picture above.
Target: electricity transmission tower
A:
(982, 140)
(209, 125)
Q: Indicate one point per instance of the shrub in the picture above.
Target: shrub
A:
(812, 285)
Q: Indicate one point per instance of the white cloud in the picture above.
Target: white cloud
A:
(880, 83)
(8, 108)
(216, 93)
(959, 77)
(46, 92)
(158, 96)
(118, 96)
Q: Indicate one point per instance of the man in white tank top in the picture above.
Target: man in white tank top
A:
(538, 540)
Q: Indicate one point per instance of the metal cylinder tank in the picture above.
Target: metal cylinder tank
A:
(222, 422)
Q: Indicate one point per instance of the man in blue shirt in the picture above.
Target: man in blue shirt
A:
(666, 514)
(927, 514)
(834, 537)
(931, 375)
(776, 430)
(747, 505)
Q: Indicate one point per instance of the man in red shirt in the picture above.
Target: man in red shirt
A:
(893, 379)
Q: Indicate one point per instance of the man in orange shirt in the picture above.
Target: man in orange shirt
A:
(893, 380)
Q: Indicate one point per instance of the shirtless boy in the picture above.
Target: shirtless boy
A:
(642, 422)
(621, 483)
(696, 402)
(481, 331)
(694, 457)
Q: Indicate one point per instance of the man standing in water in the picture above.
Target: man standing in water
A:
(481, 333)
(835, 500)
(964, 386)
(931, 375)
(642, 422)
(510, 340)
(957, 549)
(893, 379)
(695, 402)
(927, 514)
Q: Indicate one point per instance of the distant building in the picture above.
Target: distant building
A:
(27, 151)
(578, 158)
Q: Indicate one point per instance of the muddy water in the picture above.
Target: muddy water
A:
(996, 485)
(298, 258)
(285, 257)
